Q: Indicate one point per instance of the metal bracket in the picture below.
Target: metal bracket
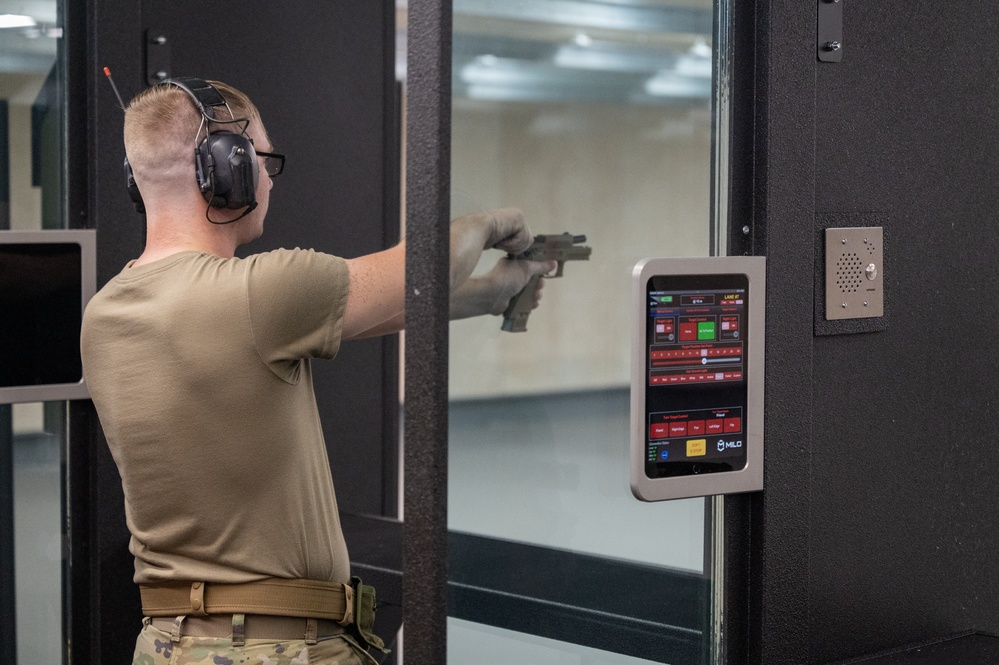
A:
(157, 56)
(829, 42)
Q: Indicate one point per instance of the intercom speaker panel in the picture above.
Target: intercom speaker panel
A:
(855, 273)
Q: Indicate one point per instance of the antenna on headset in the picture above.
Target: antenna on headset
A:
(107, 72)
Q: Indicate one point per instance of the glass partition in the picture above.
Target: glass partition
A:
(33, 440)
(595, 118)
(37, 450)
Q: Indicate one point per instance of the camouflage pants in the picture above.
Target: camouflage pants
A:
(154, 647)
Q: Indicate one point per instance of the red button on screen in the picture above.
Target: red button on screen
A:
(678, 429)
(715, 426)
(688, 332)
(660, 431)
(733, 424)
(695, 427)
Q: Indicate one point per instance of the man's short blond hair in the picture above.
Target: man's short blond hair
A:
(163, 126)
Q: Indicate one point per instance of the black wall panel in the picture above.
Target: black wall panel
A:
(876, 527)
(903, 543)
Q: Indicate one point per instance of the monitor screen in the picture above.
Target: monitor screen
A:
(696, 395)
(46, 278)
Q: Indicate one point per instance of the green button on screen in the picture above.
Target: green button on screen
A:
(706, 330)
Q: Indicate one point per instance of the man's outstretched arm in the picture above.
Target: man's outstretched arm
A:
(375, 302)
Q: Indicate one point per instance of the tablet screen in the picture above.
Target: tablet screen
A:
(40, 314)
(696, 371)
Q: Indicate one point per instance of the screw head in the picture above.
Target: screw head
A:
(832, 46)
(745, 230)
(161, 75)
(161, 40)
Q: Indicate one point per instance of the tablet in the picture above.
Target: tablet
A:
(697, 377)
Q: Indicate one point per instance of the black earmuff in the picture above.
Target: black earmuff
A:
(133, 189)
(226, 170)
(225, 162)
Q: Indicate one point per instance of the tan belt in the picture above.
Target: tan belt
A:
(254, 627)
(273, 596)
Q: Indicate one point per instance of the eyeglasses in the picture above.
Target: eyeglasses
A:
(273, 162)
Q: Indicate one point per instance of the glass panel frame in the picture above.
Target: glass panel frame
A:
(33, 204)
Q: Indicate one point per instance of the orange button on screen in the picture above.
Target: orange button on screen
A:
(697, 447)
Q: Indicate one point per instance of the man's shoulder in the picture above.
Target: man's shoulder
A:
(297, 259)
(286, 254)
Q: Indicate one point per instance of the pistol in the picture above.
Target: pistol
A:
(561, 248)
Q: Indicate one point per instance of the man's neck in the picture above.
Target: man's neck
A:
(165, 237)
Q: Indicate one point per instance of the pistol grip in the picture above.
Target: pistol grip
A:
(515, 316)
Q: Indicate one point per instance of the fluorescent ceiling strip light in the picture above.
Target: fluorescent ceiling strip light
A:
(16, 21)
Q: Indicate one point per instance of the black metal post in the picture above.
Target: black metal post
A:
(8, 594)
(428, 163)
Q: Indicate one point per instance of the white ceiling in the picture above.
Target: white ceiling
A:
(617, 51)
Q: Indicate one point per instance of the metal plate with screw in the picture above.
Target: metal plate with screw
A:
(829, 33)
(854, 272)
(157, 56)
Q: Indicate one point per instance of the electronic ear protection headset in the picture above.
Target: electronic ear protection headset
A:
(225, 162)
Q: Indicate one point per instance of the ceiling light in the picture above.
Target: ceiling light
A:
(670, 84)
(701, 49)
(583, 39)
(604, 57)
(693, 67)
(16, 21)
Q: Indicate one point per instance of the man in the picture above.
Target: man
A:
(198, 364)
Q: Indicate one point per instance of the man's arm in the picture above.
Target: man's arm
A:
(488, 294)
(376, 294)
(375, 301)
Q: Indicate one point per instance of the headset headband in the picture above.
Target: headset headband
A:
(203, 93)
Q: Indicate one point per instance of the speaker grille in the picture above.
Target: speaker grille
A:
(849, 272)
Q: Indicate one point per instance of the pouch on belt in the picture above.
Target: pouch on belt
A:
(364, 615)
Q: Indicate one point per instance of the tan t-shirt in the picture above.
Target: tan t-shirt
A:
(199, 369)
